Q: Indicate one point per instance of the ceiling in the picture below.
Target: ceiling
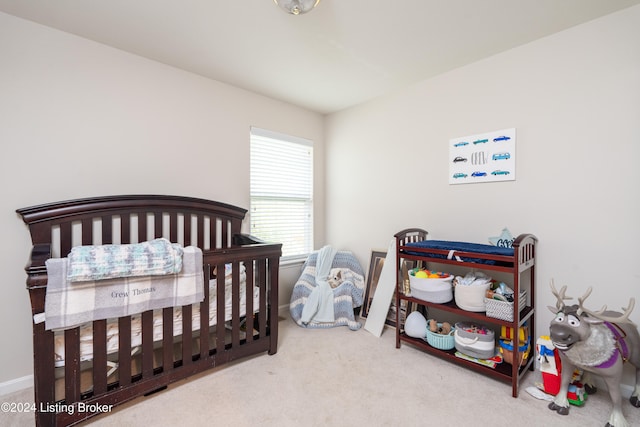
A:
(342, 53)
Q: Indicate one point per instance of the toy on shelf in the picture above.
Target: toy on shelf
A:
(521, 356)
(596, 342)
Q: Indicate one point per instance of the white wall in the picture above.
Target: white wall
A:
(80, 119)
(574, 99)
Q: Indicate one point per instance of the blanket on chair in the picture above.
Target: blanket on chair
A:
(70, 304)
(319, 305)
(348, 290)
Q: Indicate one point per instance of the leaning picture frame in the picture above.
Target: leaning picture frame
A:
(375, 268)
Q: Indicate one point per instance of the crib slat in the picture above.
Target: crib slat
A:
(220, 307)
(157, 225)
(65, 238)
(173, 227)
(187, 230)
(224, 240)
(107, 229)
(99, 357)
(213, 232)
(87, 231)
(187, 335)
(147, 344)
(204, 315)
(271, 282)
(167, 339)
(125, 229)
(72, 365)
(124, 351)
(142, 226)
(235, 304)
(200, 231)
(262, 316)
(249, 302)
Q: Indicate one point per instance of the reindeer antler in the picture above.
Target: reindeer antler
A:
(623, 318)
(560, 296)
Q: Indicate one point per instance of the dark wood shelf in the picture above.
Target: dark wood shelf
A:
(452, 307)
(502, 371)
(522, 261)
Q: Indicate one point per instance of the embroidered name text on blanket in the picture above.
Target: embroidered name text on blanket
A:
(70, 304)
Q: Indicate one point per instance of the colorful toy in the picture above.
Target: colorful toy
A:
(551, 367)
(596, 342)
(421, 273)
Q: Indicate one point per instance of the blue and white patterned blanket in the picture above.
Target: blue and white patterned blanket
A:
(156, 257)
(347, 295)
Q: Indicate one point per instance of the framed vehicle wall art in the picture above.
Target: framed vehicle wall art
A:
(485, 157)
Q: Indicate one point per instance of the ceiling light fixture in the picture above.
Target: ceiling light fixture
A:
(297, 7)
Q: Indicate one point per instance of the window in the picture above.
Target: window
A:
(282, 191)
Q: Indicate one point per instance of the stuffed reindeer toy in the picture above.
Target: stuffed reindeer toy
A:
(598, 343)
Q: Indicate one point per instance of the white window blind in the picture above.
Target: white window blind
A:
(282, 191)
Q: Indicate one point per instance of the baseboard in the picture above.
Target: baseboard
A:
(16, 384)
(283, 310)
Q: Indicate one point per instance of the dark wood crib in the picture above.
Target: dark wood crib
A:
(79, 389)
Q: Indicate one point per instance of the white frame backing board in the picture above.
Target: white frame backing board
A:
(384, 293)
(485, 157)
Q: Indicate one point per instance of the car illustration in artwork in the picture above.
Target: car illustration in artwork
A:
(501, 156)
(459, 159)
(479, 173)
(459, 175)
(499, 172)
(461, 144)
(501, 138)
(480, 141)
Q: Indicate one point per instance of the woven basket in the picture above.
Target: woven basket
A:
(503, 310)
(439, 341)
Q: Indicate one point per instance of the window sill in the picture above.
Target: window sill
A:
(294, 261)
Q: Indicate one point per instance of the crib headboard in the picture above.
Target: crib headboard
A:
(132, 219)
(57, 227)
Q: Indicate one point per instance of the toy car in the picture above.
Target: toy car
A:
(478, 173)
(501, 156)
(501, 138)
(480, 141)
(499, 172)
(459, 175)
(576, 394)
(459, 159)
(461, 144)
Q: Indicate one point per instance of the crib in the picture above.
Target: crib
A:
(87, 370)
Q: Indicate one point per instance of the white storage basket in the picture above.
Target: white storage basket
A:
(471, 297)
(438, 290)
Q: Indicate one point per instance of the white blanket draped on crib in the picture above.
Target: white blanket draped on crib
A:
(69, 304)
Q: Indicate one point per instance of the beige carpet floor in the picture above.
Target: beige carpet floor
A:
(337, 377)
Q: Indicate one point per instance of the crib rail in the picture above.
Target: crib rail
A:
(68, 394)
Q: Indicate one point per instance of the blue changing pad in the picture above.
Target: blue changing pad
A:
(461, 246)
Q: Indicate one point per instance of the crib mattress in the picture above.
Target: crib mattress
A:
(86, 332)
